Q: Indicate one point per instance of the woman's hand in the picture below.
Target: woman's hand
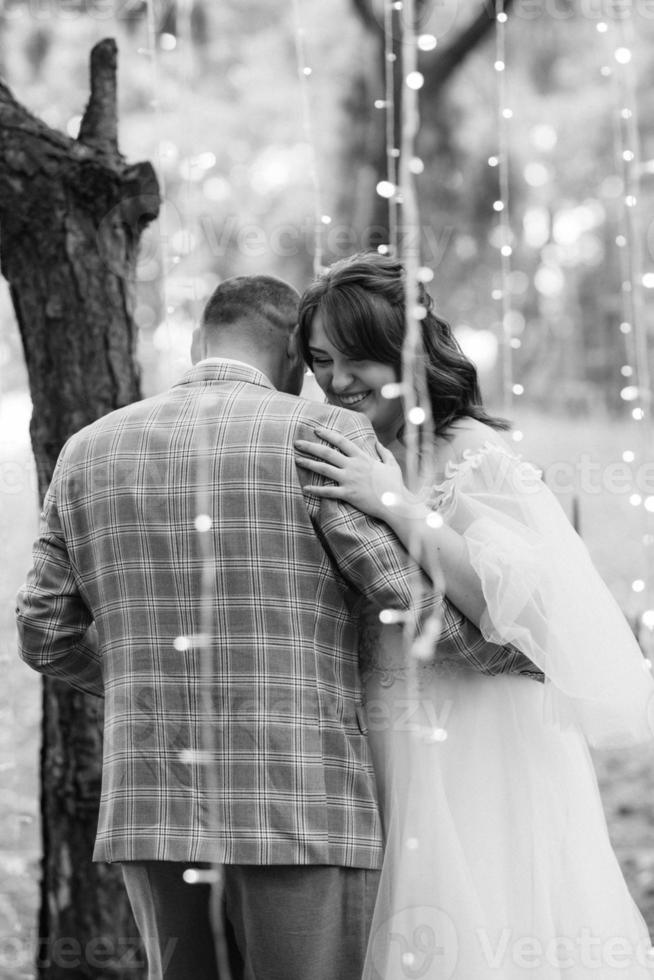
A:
(374, 486)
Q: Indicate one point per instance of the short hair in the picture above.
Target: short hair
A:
(253, 298)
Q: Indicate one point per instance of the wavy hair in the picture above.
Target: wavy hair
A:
(361, 301)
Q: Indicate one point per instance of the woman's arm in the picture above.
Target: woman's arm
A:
(376, 487)
(408, 519)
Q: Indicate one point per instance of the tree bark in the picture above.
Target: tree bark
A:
(71, 212)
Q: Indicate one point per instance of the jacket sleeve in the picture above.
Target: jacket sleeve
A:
(365, 552)
(375, 563)
(56, 635)
(461, 640)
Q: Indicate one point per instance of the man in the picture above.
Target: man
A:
(226, 650)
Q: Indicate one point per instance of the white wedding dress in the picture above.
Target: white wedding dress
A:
(498, 864)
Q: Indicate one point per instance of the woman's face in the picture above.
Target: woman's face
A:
(355, 385)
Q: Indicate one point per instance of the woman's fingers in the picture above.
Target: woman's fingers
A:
(325, 469)
(329, 493)
(346, 446)
(384, 454)
(316, 449)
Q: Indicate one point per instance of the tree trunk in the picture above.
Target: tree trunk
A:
(437, 67)
(72, 212)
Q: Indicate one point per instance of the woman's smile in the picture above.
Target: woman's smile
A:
(352, 399)
(356, 384)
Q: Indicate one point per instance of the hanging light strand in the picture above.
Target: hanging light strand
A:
(631, 169)
(185, 110)
(624, 241)
(201, 646)
(416, 404)
(417, 407)
(501, 205)
(636, 376)
(162, 257)
(304, 73)
(390, 65)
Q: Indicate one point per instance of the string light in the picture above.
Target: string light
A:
(620, 43)
(415, 397)
(436, 735)
(391, 155)
(203, 522)
(196, 757)
(394, 390)
(201, 876)
(427, 42)
(391, 616)
(419, 449)
(167, 42)
(386, 189)
(416, 415)
(415, 80)
(304, 73)
(200, 643)
(501, 208)
(162, 254)
(199, 163)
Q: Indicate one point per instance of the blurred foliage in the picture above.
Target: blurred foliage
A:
(228, 141)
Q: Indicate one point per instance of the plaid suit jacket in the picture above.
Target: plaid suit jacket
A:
(226, 650)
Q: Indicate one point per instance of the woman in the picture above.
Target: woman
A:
(498, 863)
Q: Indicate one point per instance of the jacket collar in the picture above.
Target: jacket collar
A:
(214, 369)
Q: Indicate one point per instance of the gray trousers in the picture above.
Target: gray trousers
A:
(282, 922)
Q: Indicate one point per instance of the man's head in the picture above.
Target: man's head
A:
(254, 319)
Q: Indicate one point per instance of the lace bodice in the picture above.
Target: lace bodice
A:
(520, 473)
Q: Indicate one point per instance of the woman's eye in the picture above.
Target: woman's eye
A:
(320, 363)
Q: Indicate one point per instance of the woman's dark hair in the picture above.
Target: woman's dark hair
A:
(361, 303)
